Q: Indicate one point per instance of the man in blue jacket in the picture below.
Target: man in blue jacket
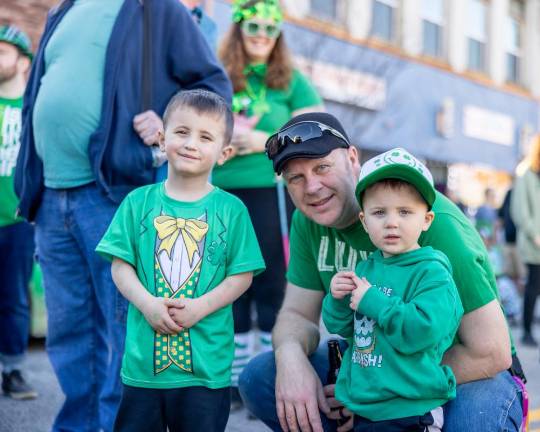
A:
(85, 144)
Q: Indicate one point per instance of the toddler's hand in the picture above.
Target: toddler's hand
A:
(184, 312)
(342, 284)
(362, 285)
(157, 315)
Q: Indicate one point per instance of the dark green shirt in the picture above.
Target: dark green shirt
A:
(255, 170)
(318, 252)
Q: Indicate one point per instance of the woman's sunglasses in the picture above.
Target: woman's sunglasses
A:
(300, 133)
(253, 28)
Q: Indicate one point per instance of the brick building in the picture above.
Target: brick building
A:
(29, 15)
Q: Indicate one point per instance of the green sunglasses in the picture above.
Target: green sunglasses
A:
(253, 28)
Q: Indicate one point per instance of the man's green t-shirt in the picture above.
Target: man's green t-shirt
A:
(397, 336)
(181, 250)
(10, 142)
(255, 170)
(318, 252)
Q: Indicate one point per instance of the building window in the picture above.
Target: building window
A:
(328, 10)
(432, 27)
(513, 42)
(477, 35)
(384, 16)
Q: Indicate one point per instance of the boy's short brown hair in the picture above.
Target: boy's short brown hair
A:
(202, 102)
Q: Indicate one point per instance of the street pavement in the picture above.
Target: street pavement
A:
(37, 415)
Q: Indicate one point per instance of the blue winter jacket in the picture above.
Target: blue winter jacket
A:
(121, 162)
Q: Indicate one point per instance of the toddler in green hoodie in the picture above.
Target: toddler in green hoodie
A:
(399, 310)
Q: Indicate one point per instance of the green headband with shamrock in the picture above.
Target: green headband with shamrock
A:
(266, 9)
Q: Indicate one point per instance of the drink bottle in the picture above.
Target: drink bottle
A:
(334, 361)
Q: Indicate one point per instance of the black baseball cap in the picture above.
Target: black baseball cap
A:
(312, 135)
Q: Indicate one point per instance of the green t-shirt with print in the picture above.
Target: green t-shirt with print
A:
(318, 252)
(181, 250)
(276, 108)
(10, 142)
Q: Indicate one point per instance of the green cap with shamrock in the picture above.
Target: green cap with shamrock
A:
(397, 164)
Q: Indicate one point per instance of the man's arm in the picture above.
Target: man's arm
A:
(299, 392)
(298, 319)
(484, 348)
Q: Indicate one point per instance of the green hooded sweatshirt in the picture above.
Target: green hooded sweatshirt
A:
(397, 336)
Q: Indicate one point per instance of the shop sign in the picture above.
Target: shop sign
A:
(488, 125)
(344, 85)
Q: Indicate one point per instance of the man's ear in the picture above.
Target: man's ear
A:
(226, 153)
(428, 220)
(161, 140)
(354, 158)
(24, 63)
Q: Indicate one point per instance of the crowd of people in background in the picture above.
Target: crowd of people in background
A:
(511, 233)
(66, 168)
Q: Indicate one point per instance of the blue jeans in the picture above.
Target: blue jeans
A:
(488, 405)
(86, 314)
(16, 252)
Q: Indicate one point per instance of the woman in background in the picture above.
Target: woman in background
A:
(268, 91)
(525, 210)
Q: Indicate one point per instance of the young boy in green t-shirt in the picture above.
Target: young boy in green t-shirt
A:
(399, 310)
(182, 251)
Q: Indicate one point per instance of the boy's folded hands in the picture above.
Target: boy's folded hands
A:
(156, 312)
(185, 312)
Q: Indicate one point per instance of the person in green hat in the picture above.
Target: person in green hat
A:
(400, 309)
(16, 235)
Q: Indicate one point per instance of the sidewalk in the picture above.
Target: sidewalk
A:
(37, 415)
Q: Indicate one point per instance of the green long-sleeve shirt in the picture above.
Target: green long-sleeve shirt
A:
(398, 335)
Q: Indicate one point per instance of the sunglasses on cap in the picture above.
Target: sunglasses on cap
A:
(299, 133)
(254, 28)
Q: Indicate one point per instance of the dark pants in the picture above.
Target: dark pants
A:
(187, 409)
(406, 424)
(268, 288)
(16, 252)
(532, 289)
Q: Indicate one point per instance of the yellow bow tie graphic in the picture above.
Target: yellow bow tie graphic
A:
(168, 229)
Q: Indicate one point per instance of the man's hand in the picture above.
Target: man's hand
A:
(537, 240)
(362, 285)
(156, 313)
(342, 284)
(299, 392)
(148, 125)
(185, 312)
(338, 411)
